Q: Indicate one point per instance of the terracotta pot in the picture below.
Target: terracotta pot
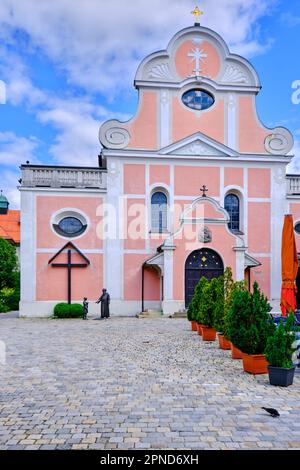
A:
(255, 363)
(194, 325)
(208, 334)
(199, 329)
(236, 353)
(223, 342)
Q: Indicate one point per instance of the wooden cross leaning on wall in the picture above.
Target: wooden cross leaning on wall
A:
(69, 265)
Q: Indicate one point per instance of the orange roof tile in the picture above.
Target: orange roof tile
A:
(10, 226)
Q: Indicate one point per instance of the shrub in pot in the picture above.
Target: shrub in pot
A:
(64, 310)
(279, 353)
(197, 300)
(206, 311)
(219, 313)
(223, 300)
(250, 325)
(231, 326)
(191, 316)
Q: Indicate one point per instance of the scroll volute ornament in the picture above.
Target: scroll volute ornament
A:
(113, 136)
(280, 142)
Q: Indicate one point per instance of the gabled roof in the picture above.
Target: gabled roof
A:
(198, 144)
(251, 262)
(10, 226)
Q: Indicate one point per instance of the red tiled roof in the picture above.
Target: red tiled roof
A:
(10, 226)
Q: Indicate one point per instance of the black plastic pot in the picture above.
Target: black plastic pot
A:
(280, 376)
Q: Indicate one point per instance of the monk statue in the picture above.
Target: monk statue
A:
(105, 301)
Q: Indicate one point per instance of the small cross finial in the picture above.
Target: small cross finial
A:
(197, 14)
(204, 190)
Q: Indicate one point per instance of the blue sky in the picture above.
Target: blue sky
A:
(69, 65)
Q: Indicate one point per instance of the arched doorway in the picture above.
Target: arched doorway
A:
(204, 262)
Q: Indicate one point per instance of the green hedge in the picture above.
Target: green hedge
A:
(64, 310)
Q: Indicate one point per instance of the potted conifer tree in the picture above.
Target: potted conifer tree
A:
(196, 302)
(222, 306)
(231, 326)
(279, 354)
(219, 312)
(206, 311)
(251, 325)
(191, 316)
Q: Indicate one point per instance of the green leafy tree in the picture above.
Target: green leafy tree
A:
(279, 349)
(193, 310)
(8, 264)
(9, 277)
(249, 322)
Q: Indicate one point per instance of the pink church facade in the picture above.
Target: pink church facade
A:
(143, 219)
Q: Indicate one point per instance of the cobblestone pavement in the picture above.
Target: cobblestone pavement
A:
(133, 383)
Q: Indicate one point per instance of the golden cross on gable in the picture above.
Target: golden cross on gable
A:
(197, 14)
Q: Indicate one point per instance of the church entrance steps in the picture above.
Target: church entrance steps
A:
(150, 314)
(180, 314)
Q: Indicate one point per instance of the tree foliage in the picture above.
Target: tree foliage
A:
(208, 301)
(8, 264)
(279, 346)
(193, 310)
(9, 277)
(219, 305)
(249, 322)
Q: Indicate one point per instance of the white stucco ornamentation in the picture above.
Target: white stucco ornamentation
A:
(234, 74)
(197, 56)
(198, 148)
(280, 142)
(113, 136)
(160, 71)
(237, 70)
(113, 168)
(205, 235)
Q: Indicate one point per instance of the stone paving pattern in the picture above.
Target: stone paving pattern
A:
(134, 384)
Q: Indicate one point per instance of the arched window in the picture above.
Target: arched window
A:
(159, 212)
(232, 206)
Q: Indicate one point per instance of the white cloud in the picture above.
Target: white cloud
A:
(9, 183)
(98, 44)
(77, 139)
(15, 150)
(294, 166)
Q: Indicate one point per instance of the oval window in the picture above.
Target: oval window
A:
(70, 227)
(297, 228)
(198, 99)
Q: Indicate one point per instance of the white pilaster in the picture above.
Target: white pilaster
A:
(168, 279)
(240, 264)
(113, 245)
(165, 139)
(279, 207)
(231, 122)
(28, 247)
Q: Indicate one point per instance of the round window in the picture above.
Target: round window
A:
(297, 228)
(198, 99)
(70, 227)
